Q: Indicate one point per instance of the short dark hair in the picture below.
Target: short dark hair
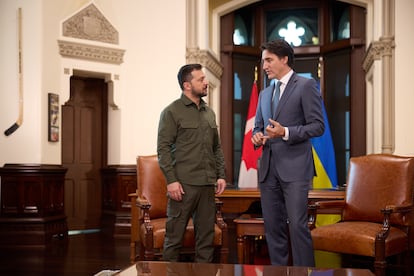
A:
(280, 48)
(184, 74)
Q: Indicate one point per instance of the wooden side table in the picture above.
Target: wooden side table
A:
(247, 228)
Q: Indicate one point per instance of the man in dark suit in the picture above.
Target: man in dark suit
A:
(288, 114)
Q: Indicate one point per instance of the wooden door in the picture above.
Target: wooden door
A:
(84, 150)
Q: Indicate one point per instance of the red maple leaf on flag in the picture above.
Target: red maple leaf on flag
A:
(249, 154)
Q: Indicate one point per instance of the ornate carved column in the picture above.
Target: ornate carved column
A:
(383, 50)
(198, 51)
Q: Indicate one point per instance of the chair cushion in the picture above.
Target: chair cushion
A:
(189, 241)
(356, 238)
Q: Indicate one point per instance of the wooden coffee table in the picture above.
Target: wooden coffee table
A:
(180, 268)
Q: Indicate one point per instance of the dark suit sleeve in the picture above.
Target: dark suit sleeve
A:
(258, 121)
(312, 123)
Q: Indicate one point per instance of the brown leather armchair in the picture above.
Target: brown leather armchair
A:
(148, 216)
(375, 213)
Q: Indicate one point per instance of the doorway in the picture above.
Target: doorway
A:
(84, 150)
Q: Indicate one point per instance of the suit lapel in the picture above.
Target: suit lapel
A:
(268, 99)
(286, 94)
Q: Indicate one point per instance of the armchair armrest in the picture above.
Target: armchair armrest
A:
(403, 209)
(222, 225)
(219, 215)
(132, 203)
(323, 207)
(335, 205)
(134, 218)
(144, 217)
(143, 203)
(134, 238)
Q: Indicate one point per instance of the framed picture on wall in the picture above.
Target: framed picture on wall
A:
(53, 126)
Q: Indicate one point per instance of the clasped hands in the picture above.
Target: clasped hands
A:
(273, 130)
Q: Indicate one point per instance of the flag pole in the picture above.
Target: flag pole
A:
(255, 74)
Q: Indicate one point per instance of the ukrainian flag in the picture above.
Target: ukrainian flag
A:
(323, 154)
(324, 158)
(326, 178)
(325, 165)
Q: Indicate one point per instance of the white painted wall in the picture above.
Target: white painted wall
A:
(151, 32)
(404, 89)
(24, 145)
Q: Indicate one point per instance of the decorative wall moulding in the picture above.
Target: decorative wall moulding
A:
(91, 52)
(376, 50)
(205, 58)
(89, 23)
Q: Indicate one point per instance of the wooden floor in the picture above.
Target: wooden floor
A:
(82, 254)
(88, 254)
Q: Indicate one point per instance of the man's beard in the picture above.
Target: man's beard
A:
(200, 94)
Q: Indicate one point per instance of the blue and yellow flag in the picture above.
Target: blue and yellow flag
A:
(324, 158)
(325, 164)
(326, 178)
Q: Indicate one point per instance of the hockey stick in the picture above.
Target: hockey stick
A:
(19, 120)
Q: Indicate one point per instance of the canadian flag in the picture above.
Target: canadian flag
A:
(248, 166)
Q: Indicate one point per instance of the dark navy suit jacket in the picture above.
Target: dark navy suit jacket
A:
(299, 110)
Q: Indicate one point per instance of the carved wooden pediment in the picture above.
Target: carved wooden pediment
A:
(90, 24)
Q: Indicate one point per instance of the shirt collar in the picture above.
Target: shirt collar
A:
(285, 79)
(187, 101)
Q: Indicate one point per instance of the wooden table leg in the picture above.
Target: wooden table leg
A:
(240, 249)
(250, 248)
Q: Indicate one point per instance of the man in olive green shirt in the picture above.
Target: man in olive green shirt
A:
(190, 156)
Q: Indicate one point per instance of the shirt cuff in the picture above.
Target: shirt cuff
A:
(286, 137)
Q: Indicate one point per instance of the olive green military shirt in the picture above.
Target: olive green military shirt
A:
(188, 146)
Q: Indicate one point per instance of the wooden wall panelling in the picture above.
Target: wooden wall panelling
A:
(117, 182)
(32, 204)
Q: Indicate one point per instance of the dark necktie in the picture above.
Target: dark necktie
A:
(276, 96)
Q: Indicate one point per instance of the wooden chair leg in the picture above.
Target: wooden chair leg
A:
(132, 253)
(380, 265)
(224, 256)
(141, 252)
